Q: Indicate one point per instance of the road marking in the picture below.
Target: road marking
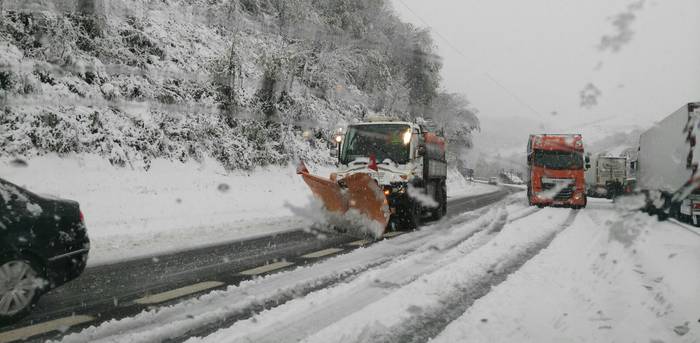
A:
(42, 328)
(393, 234)
(266, 268)
(322, 253)
(177, 293)
(359, 243)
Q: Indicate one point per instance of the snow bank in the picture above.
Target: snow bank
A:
(609, 278)
(173, 206)
(459, 186)
(132, 213)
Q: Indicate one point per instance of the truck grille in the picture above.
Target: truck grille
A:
(565, 194)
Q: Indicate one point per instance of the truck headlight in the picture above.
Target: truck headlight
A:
(407, 137)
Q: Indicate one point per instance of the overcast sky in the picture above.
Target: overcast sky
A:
(546, 52)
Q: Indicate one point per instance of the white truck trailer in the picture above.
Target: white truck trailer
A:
(607, 177)
(668, 163)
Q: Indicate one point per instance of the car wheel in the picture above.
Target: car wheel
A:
(20, 287)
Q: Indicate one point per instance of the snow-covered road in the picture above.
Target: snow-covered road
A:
(500, 274)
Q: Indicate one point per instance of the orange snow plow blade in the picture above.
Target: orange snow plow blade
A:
(368, 198)
(327, 191)
(362, 194)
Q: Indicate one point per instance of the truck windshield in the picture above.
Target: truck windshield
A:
(558, 159)
(385, 141)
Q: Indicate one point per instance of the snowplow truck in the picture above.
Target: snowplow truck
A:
(391, 175)
(667, 165)
(556, 170)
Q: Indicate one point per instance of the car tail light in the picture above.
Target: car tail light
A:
(696, 205)
(82, 217)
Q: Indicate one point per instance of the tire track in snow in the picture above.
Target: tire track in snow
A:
(486, 229)
(423, 327)
(302, 316)
(221, 309)
(416, 311)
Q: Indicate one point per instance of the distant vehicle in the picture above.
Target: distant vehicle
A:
(556, 170)
(667, 165)
(43, 244)
(390, 171)
(510, 178)
(493, 181)
(470, 174)
(607, 177)
(631, 155)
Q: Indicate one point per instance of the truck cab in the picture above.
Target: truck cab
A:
(406, 160)
(556, 167)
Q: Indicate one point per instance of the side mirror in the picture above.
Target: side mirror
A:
(421, 150)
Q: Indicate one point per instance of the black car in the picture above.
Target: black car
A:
(43, 244)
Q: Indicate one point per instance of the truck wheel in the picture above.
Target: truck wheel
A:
(441, 199)
(412, 217)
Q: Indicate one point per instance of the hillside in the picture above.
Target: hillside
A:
(247, 82)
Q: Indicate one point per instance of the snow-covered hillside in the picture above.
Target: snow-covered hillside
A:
(246, 82)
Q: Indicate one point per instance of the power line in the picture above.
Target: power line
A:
(487, 74)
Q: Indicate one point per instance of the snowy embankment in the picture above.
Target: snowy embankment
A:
(609, 278)
(173, 206)
(458, 186)
(401, 259)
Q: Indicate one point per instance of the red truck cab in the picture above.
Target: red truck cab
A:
(556, 168)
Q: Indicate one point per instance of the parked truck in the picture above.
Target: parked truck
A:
(556, 165)
(630, 154)
(391, 172)
(607, 176)
(668, 163)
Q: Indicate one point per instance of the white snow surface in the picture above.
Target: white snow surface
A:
(601, 274)
(132, 213)
(173, 206)
(609, 278)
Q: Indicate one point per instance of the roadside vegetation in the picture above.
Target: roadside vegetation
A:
(247, 82)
